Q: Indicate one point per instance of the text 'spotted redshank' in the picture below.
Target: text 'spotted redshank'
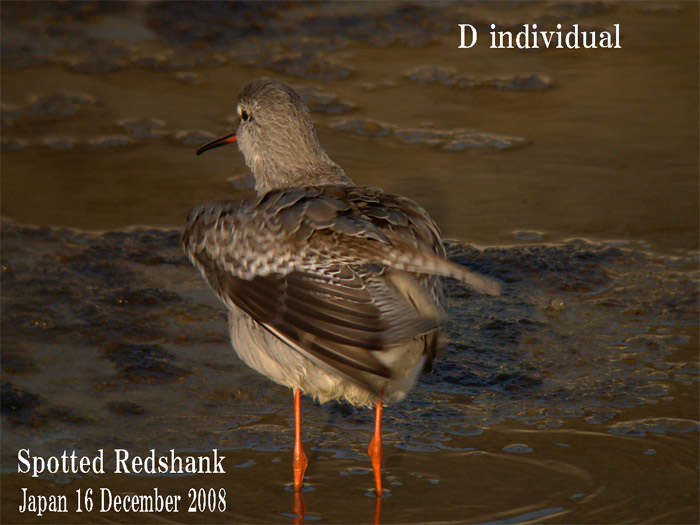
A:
(333, 290)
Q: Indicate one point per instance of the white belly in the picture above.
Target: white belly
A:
(272, 357)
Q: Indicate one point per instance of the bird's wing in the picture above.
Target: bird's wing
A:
(386, 229)
(332, 311)
(314, 267)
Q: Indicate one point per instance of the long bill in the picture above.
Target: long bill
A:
(228, 139)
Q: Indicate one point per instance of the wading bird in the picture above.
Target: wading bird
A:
(333, 290)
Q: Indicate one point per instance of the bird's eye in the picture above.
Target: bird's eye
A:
(244, 116)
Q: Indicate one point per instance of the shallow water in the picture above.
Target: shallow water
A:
(570, 175)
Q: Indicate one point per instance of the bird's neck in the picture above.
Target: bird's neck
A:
(314, 170)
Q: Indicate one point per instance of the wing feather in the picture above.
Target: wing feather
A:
(311, 266)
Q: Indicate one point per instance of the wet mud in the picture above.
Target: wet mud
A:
(572, 176)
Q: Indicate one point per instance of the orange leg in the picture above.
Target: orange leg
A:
(375, 450)
(299, 462)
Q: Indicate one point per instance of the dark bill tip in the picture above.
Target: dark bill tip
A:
(228, 139)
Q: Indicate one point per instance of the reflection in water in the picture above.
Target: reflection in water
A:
(299, 507)
(300, 512)
(377, 509)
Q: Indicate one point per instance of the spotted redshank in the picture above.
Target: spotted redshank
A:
(333, 290)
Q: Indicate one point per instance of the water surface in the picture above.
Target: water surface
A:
(570, 175)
